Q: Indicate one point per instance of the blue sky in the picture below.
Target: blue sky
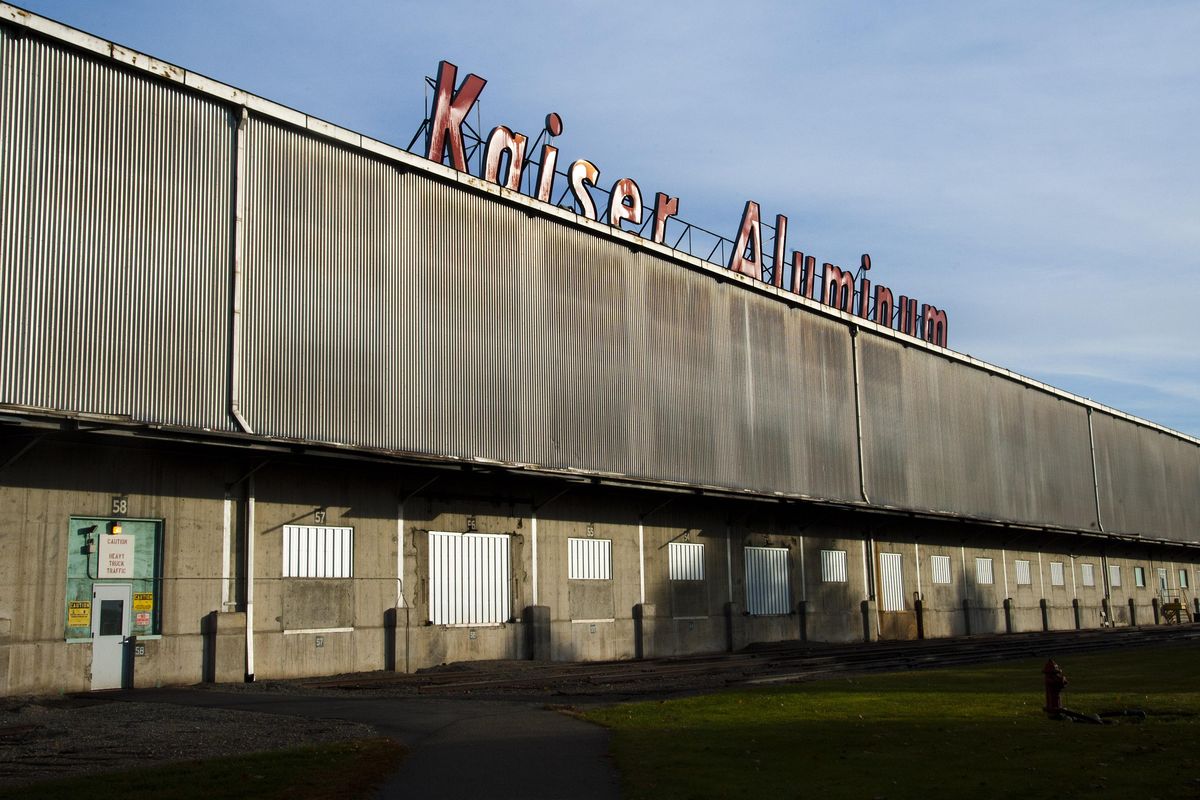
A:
(1030, 167)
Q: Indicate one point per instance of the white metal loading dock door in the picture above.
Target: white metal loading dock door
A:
(891, 582)
(767, 580)
(468, 578)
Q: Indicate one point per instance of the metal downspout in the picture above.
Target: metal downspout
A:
(862, 469)
(239, 254)
(250, 580)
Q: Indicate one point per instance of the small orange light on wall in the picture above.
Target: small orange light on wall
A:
(114, 529)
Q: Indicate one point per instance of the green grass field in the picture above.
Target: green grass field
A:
(965, 732)
(339, 771)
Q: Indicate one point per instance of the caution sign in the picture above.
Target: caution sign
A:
(143, 619)
(116, 556)
(79, 614)
(143, 601)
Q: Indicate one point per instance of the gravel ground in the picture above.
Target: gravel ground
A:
(43, 738)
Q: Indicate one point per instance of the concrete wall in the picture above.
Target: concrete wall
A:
(305, 627)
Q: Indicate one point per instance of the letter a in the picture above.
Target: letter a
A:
(450, 109)
(749, 236)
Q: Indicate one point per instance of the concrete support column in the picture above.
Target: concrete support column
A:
(733, 627)
(536, 620)
(396, 622)
(644, 623)
(224, 646)
(867, 609)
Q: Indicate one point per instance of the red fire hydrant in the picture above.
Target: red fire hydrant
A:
(1055, 681)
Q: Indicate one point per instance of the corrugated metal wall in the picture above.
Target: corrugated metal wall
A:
(891, 581)
(386, 309)
(115, 197)
(941, 435)
(833, 566)
(940, 567)
(768, 589)
(469, 578)
(685, 561)
(589, 559)
(318, 551)
(1149, 481)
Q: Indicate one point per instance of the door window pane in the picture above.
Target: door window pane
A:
(112, 615)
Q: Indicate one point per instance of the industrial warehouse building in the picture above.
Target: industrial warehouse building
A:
(280, 400)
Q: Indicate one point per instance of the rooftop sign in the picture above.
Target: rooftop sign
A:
(504, 162)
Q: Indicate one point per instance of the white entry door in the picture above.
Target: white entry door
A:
(893, 585)
(110, 628)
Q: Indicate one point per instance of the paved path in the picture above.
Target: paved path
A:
(458, 748)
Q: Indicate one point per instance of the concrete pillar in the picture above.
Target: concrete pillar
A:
(224, 646)
(397, 632)
(867, 609)
(733, 626)
(536, 620)
(644, 623)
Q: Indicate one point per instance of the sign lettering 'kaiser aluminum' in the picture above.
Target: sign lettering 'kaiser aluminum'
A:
(834, 287)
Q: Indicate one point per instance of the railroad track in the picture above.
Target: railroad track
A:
(779, 662)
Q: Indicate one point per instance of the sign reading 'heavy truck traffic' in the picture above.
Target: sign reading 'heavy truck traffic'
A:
(835, 287)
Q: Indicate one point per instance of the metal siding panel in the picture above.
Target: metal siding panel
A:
(890, 565)
(833, 566)
(589, 559)
(940, 566)
(469, 577)
(928, 422)
(767, 590)
(518, 338)
(1149, 482)
(115, 192)
(685, 561)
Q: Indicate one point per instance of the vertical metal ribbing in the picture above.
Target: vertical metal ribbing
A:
(114, 191)
(1095, 472)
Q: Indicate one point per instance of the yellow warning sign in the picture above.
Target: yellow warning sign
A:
(79, 614)
(143, 601)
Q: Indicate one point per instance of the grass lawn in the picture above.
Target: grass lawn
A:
(343, 770)
(967, 732)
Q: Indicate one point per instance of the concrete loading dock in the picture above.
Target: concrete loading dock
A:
(302, 358)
